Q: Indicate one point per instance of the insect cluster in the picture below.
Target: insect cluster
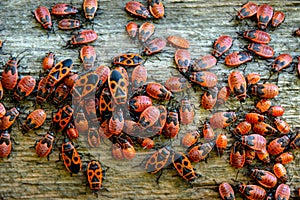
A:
(119, 104)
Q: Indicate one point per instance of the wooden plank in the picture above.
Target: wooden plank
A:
(24, 175)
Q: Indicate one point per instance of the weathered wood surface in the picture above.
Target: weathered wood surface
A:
(26, 176)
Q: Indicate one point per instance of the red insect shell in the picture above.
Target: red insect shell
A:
(5, 145)
(43, 16)
(223, 95)
(93, 137)
(282, 126)
(277, 19)
(62, 118)
(254, 118)
(48, 61)
(276, 111)
(146, 143)
(200, 152)
(148, 117)
(132, 29)
(264, 129)
(90, 8)
(137, 9)
(131, 128)
(190, 138)
(186, 111)
(250, 156)
(138, 77)
(254, 141)
(68, 24)
(236, 59)
(116, 151)
(252, 78)
(43, 91)
(34, 120)
(238, 85)
(204, 78)
(44, 146)
(116, 122)
(209, 98)
(281, 62)
(103, 73)
(128, 60)
(221, 143)
(278, 145)
(146, 30)
(242, 128)
(88, 57)
(264, 15)
(2, 110)
(70, 157)
(139, 103)
(252, 192)
(182, 59)
(295, 144)
(204, 63)
(72, 132)
(83, 37)
(285, 158)
(280, 172)
(154, 46)
(61, 93)
(9, 118)
(178, 42)
(263, 155)
(24, 88)
(247, 10)
(158, 126)
(226, 191)
(10, 74)
(63, 9)
(222, 119)
(256, 36)
(283, 191)
(263, 177)
(118, 86)
(58, 72)
(177, 84)
(95, 174)
(158, 91)
(222, 45)
(263, 105)
(104, 129)
(172, 125)
(237, 155)
(266, 91)
(156, 8)
(261, 50)
(128, 150)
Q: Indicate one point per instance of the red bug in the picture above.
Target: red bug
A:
(43, 91)
(62, 117)
(130, 127)
(282, 126)
(132, 29)
(42, 15)
(58, 72)
(264, 178)
(146, 30)
(90, 106)
(178, 42)
(9, 118)
(105, 104)
(10, 74)
(177, 84)
(277, 19)
(252, 192)
(222, 45)
(137, 9)
(250, 156)
(281, 62)
(61, 93)
(80, 121)
(261, 50)
(278, 145)
(182, 59)
(254, 118)
(223, 95)
(226, 191)
(221, 143)
(156, 161)
(49, 61)
(263, 129)
(154, 46)
(156, 8)
(90, 8)
(263, 105)
(118, 86)
(34, 120)
(72, 132)
(70, 79)
(148, 117)
(103, 73)
(204, 63)
(238, 85)
(129, 60)
(236, 59)
(158, 91)
(276, 111)
(116, 122)
(5, 144)
(200, 152)
(237, 155)
(186, 111)
(24, 88)
(190, 138)
(82, 37)
(68, 24)
(280, 172)
(158, 126)
(264, 15)
(104, 130)
(2, 110)
(85, 85)
(44, 146)
(204, 78)
(138, 77)
(208, 132)
(127, 149)
(256, 36)
(295, 143)
(254, 141)
(283, 191)
(116, 151)
(95, 174)
(140, 103)
(247, 10)
(285, 158)
(266, 91)
(70, 157)
(88, 57)
(172, 125)
(252, 78)
(63, 9)
(93, 137)
(222, 119)
(145, 142)
(209, 98)
(263, 155)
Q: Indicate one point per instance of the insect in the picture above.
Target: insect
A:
(277, 19)
(282, 126)
(154, 46)
(178, 42)
(61, 93)
(93, 137)
(221, 143)
(80, 121)
(190, 138)
(280, 172)
(252, 78)
(264, 15)
(208, 132)
(146, 30)
(158, 160)
(295, 143)
(263, 155)
(222, 119)
(183, 166)
(58, 72)
(148, 117)
(90, 8)
(252, 192)
(72, 132)
(261, 50)
(200, 152)
(236, 59)
(263, 129)
(263, 105)
(138, 77)
(62, 117)
(204, 78)
(254, 118)
(285, 158)
(116, 151)
(186, 111)
(254, 141)
(49, 61)
(10, 74)
(172, 125)
(278, 145)
(222, 45)
(116, 122)
(132, 29)
(70, 79)
(88, 57)
(158, 91)
(158, 126)
(34, 120)
(127, 149)
(24, 88)
(62, 9)
(250, 156)
(204, 63)
(145, 142)
(130, 60)
(248, 10)
(68, 24)
(137, 9)
(95, 174)
(118, 86)
(237, 155)
(103, 73)
(85, 85)
(105, 104)
(140, 103)
(276, 111)
(182, 59)
(209, 98)
(226, 191)
(44, 146)
(256, 36)
(156, 8)
(9, 118)
(264, 178)
(265, 91)
(281, 62)
(5, 144)
(71, 157)
(237, 84)
(223, 95)
(82, 37)
(177, 84)
(43, 91)
(2, 110)
(283, 191)
(42, 15)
